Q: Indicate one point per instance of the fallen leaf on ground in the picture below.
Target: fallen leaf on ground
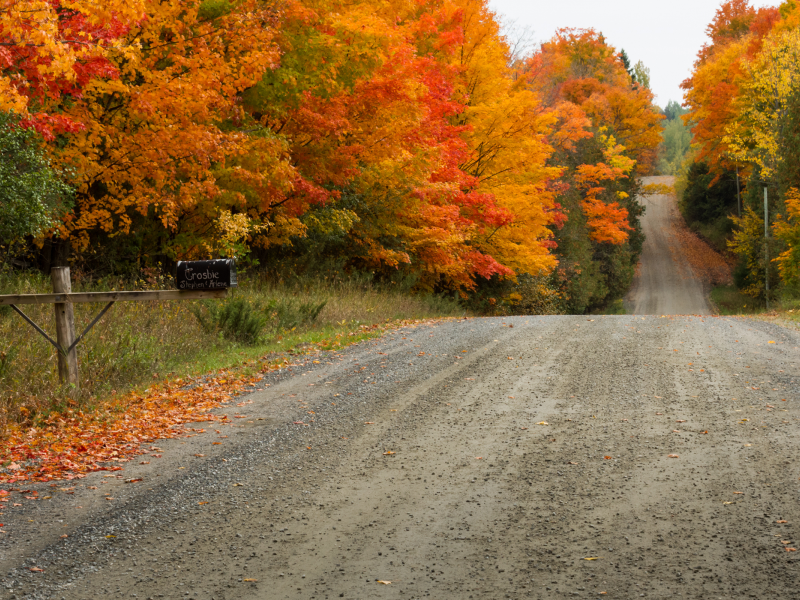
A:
(36, 569)
(608, 457)
(369, 422)
(135, 480)
(388, 452)
(674, 456)
(781, 522)
(738, 492)
(478, 458)
(681, 421)
(591, 558)
(249, 579)
(543, 423)
(572, 463)
(384, 582)
(791, 549)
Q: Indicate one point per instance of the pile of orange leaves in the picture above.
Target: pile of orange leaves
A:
(69, 445)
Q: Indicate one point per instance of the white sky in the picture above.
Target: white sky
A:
(666, 36)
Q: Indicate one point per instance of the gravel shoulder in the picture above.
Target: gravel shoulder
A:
(497, 484)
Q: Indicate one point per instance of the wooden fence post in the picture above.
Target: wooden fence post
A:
(65, 328)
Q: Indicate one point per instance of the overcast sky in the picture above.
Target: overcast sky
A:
(664, 35)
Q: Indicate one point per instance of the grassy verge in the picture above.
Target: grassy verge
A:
(137, 343)
(617, 307)
(730, 301)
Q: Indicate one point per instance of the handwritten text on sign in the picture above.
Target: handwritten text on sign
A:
(206, 274)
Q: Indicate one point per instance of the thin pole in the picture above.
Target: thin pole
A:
(766, 244)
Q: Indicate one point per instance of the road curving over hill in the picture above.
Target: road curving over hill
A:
(530, 457)
(665, 283)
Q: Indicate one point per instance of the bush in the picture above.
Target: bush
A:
(240, 320)
(235, 318)
(32, 195)
(707, 198)
(289, 313)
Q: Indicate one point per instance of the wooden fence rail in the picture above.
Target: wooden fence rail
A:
(62, 299)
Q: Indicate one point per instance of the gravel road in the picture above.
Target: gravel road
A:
(665, 283)
(527, 457)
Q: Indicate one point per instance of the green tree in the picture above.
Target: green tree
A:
(641, 74)
(32, 193)
(673, 110)
(676, 140)
(626, 62)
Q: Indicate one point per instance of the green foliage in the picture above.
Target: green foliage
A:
(677, 139)
(240, 320)
(626, 62)
(642, 74)
(6, 359)
(705, 200)
(730, 301)
(213, 9)
(788, 171)
(674, 110)
(749, 245)
(31, 193)
(235, 318)
(288, 314)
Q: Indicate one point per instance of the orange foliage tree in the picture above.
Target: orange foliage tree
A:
(393, 138)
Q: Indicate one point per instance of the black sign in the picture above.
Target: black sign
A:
(206, 274)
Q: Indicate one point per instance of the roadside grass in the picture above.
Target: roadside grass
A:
(617, 307)
(139, 343)
(730, 301)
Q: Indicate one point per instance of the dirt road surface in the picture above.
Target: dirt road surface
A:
(529, 457)
(665, 283)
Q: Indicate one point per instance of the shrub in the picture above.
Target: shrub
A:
(235, 318)
(290, 313)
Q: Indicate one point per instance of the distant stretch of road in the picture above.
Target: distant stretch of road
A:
(665, 283)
